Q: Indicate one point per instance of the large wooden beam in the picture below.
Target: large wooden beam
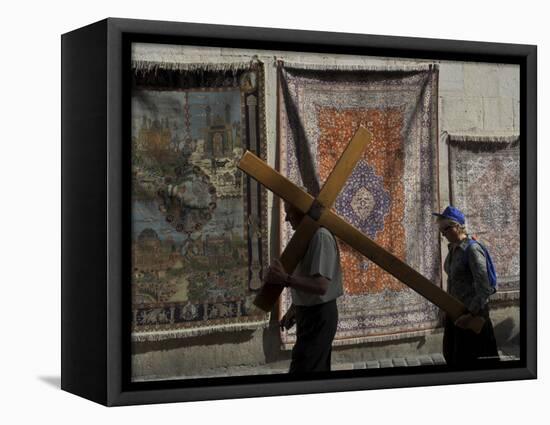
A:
(291, 256)
(296, 248)
(276, 182)
(397, 268)
(280, 185)
(344, 167)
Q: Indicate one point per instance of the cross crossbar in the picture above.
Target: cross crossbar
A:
(297, 246)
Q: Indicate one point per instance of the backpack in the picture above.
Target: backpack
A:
(491, 272)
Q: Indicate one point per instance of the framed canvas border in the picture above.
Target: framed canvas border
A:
(101, 308)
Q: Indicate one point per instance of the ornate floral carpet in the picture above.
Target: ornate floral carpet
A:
(484, 184)
(389, 196)
(199, 240)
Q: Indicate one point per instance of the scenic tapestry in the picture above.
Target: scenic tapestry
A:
(199, 239)
(484, 182)
(390, 195)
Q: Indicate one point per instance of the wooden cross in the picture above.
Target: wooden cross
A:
(317, 212)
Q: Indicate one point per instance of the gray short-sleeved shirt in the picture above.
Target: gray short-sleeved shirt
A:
(322, 258)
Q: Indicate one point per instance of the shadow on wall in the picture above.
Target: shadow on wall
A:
(218, 338)
(272, 343)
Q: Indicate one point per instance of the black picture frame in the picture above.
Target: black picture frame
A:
(96, 209)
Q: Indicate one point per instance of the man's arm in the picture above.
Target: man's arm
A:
(312, 284)
(482, 287)
(277, 275)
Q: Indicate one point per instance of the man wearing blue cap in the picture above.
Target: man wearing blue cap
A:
(468, 281)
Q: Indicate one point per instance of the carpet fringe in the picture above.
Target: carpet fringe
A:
(148, 336)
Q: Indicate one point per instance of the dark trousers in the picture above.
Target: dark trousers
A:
(315, 330)
(464, 348)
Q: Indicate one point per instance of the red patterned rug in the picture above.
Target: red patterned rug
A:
(389, 196)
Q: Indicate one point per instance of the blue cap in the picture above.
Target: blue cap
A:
(452, 213)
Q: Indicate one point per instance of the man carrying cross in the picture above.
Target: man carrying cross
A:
(316, 213)
(315, 285)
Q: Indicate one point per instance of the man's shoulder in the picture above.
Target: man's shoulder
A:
(324, 238)
(467, 244)
(472, 249)
(476, 249)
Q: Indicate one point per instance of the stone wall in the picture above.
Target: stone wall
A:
(474, 99)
